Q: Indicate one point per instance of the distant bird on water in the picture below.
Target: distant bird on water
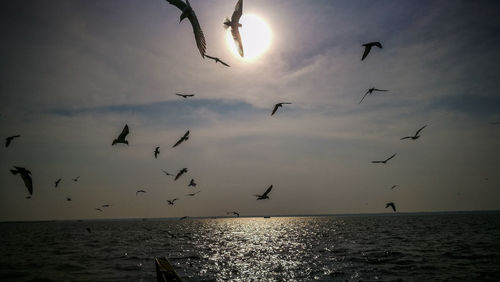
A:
(369, 92)
(181, 172)
(217, 60)
(192, 183)
(172, 202)
(9, 139)
(394, 186)
(157, 152)
(234, 24)
(368, 47)
(188, 12)
(276, 106)
(167, 174)
(233, 212)
(76, 179)
(392, 205)
(139, 191)
(193, 194)
(416, 136)
(57, 182)
(122, 136)
(26, 176)
(185, 96)
(184, 217)
(183, 138)
(264, 196)
(384, 161)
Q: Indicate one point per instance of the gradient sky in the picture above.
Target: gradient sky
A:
(73, 73)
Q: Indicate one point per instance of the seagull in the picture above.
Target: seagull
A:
(369, 92)
(277, 106)
(106, 205)
(167, 174)
(172, 202)
(139, 191)
(235, 25)
(233, 212)
(76, 179)
(183, 138)
(9, 139)
(192, 183)
(264, 196)
(121, 138)
(26, 176)
(185, 96)
(392, 205)
(416, 136)
(157, 152)
(98, 209)
(217, 60)
(368, 47)
(57, 182)
(394, 186)
(384, 161)
(181, 172)
(193, 194)
(68, 199)
(188, 12)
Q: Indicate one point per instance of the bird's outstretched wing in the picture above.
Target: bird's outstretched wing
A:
(418, 131)
(178, 3)
(406, 137)
(390, 157)
(377, 162)
(237, 38)
(275, 108)
(178, 142)
(185, 135)
(366, 52)
(363, 97)
(198, 33)
(28, 182)
(222, 62)
(238, 11)
(267, 191)
(124, 133)
(210, 57)
(375, 89)
(377, 44)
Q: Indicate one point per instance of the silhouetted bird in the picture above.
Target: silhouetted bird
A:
(185, 96)
(26, 176)
(167, 174)
(369, 92)
(235, 25)
(76, 179)
(188, 12)
(264, 196)
(394, 186)
(139, 191)
(184, 217)
(368, 47)
(57, 182)
(98, 209)
(157, 152)
(416, 136)
(183, 138)
(28, 197)
(121, 138)
(9, 139)
(192, 183)
(384, 161)
(392, 205)
(172, 202)
(106, 205)
(68, 199)
(217, 60)
(181, 172)
(88, 230)
(193, 194)
(233, 212)
(278, 106)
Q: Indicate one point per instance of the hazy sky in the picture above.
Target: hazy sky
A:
(73, 73)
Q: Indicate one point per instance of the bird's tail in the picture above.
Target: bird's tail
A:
(226, 22)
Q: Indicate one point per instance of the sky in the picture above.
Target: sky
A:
(73, 73)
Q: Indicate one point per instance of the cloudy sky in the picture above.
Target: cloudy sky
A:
(73, 73)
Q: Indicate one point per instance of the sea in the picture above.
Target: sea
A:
(396, 247)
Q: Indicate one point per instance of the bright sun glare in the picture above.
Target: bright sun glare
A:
(255, 36)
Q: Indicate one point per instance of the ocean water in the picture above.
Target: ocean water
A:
(445, 247)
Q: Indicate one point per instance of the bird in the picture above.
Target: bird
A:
(98, 209)
(76, 179)
(384, 161)
(172, 202)
(9, 139)
(157, 152)
(183, 138)
(56, 183)
(139, 191)
(276, 106)
(233, 212)
(68, 199)
(192, 183)
(394, 186)
(184, 217)
(369, 92)
(234, 24)
(187, 11)
(368, 47)
(122, 136)
(185, 96)
(416, 136)
(392, 205)
(106, 206)
(88, 230)
(26, 176)
(217, 60)
(167, 174)
(28, 197)
(193, 194)
(264, 196)
(181, 172)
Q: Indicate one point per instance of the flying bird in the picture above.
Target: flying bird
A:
(181, 172)
(172, 202)
(183, 138)
(278, 106)
(394, 186)
(192, 183)
(188, 12)
(416, 136)
(384, 161)
(185, 96)
(76, 179)
(57, 182)
(369, 92)
(28, 197)
(106, 205)
(264, 196)
(88, 230)
(157, 152)
(122, 136)
(234, 24)
(392, 205)
(233, 212)
(98, 209)
(193, 194)
(167, 174)
(217, 60)
(9, 139)
(26, 176)
(68, 199)
(368, 47)
(139, 191)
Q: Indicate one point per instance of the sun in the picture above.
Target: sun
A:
(255, 35)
